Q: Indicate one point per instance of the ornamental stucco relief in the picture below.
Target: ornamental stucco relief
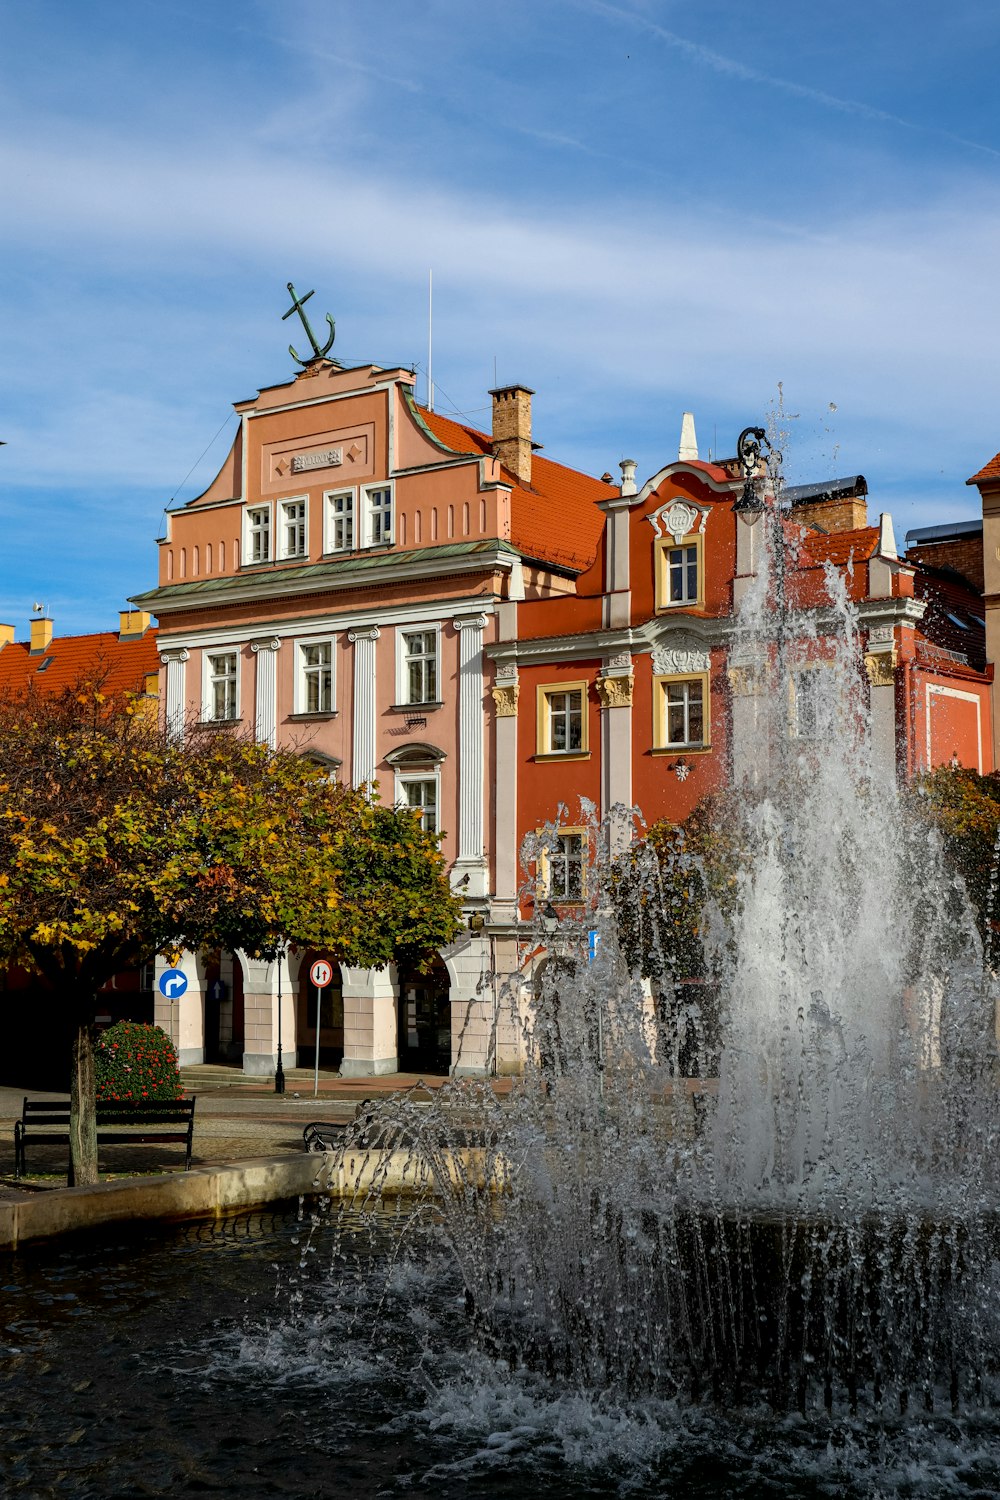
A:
(685, 654)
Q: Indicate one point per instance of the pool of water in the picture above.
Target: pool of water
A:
(266, 1355)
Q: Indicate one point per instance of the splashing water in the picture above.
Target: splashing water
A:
(776, 1184)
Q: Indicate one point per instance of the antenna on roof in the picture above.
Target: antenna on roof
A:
(430, 340)
(38, 609)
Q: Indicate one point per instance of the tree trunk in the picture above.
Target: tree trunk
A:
(83, 1108)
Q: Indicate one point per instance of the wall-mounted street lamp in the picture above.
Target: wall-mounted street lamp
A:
(751, 502)
(550, 920)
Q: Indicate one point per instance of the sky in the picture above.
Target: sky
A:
(770, 214)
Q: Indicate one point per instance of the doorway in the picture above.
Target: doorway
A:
(424, 1042)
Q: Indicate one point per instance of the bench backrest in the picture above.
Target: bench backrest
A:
(111, 1111)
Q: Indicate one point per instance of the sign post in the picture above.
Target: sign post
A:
(320, 973)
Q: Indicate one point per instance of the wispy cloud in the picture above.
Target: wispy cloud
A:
(733, 68)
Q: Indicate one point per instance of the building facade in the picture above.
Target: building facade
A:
(495, 640)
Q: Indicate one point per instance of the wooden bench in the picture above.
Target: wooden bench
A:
(133, 1120)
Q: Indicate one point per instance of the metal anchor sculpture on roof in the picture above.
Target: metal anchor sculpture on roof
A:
(298, 305)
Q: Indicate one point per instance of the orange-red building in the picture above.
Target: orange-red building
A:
(491, 636)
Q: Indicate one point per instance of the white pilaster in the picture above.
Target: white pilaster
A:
(175, 697)
(473, 1021)
(614, 690)
(370, 1022)
(504, 834)
(266, 721)
(471, 754)
(363, 750)
(182, 1018)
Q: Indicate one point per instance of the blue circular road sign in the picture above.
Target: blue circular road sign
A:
(173, 983)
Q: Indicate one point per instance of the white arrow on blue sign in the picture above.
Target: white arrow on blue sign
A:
(173, 983)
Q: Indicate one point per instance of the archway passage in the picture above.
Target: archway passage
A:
(424, 1044)
(331, 1016)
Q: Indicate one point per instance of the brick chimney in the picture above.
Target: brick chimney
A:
(841, 505)
(512, 429)
(7, 633)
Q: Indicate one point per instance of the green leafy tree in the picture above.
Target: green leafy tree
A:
(964, 807)
(116, 843)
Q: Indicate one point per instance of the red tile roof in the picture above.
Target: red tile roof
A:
(989, 471)
(121, 666)
(555, 518)
(955, 616)
(839, 547)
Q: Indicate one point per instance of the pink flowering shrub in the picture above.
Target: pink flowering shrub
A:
(134, 1061)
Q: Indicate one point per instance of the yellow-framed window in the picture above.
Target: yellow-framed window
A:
(563, 868)
(682, 713)
(561, 719)
(680, 572)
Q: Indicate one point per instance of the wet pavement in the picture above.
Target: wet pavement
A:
(235, 1118)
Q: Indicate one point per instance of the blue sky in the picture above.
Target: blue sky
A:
(637, 208)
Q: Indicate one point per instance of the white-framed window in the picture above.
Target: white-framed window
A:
(811, 703)
(293, 522)
(680, 713)
(222, 686)
(339, 521)
(378, 516)
(257, 538)
(418, 653)
(314, 677)
(562, 719)
(564, 870)
(420, 792)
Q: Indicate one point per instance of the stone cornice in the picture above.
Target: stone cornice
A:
(364, 570)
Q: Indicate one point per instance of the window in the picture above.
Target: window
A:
(222, 684)
(679, 572)
(257, 548)
(419, 672)
(564, 876)
(292, 539)
(421, 794)
(680, 713)
(379, 500)
(810, 703)
(339, 522)
(314, 679)
(562, 719)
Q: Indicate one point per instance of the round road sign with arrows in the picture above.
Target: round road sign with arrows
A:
(321, 973)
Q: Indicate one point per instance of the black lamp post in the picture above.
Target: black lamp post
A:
(751, 502)
(279, 1074)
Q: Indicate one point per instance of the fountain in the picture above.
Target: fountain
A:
(735, 1231)
(778, 1185)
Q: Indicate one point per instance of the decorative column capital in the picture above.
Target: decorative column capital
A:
(745, 681)
(364, 633)
(179, 653)
(471, 622)
(881, 668)
(616, 691)
(505, 696)
(266, 643)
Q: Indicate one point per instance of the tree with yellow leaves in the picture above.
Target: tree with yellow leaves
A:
(116, 843)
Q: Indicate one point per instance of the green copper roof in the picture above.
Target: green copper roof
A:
(314, 576)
